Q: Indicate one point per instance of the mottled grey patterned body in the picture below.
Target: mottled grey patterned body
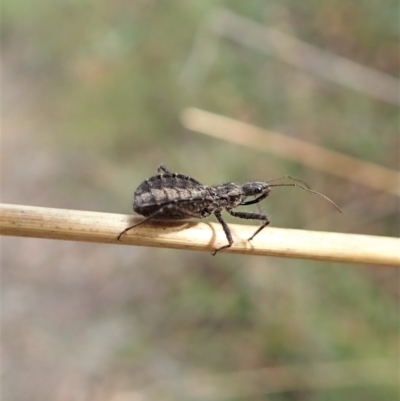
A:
(176, 196)
(169, 189)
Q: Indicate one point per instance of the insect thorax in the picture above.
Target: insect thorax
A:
(227, 195)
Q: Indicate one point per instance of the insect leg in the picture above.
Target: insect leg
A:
(226, 230)
(171, 206)
(252, 202)
(163, 169)
(137, 224)
(251, 216)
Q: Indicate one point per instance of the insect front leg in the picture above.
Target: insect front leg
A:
(251, 216)
(226, 230)
(252, 202)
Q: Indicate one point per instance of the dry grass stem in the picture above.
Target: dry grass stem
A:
(74, 225)
(350, 168)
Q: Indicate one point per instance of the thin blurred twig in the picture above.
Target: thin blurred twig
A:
(260, 382)
(289, 49)
(332, 162)
(74, 225)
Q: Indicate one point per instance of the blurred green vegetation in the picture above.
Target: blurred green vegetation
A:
(99, 86)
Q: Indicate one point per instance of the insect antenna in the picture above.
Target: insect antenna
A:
(305, 189)
(290, 178)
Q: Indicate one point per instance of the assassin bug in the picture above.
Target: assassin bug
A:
(172, 196)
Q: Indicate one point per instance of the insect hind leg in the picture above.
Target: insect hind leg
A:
(136, 224)
(172, 206)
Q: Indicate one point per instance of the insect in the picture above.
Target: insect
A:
(172, 196)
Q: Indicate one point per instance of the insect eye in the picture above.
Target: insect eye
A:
(257, 189)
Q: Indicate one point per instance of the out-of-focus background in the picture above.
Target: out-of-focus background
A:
(92, 94)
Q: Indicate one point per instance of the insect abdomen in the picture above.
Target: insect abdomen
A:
(160, 193)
